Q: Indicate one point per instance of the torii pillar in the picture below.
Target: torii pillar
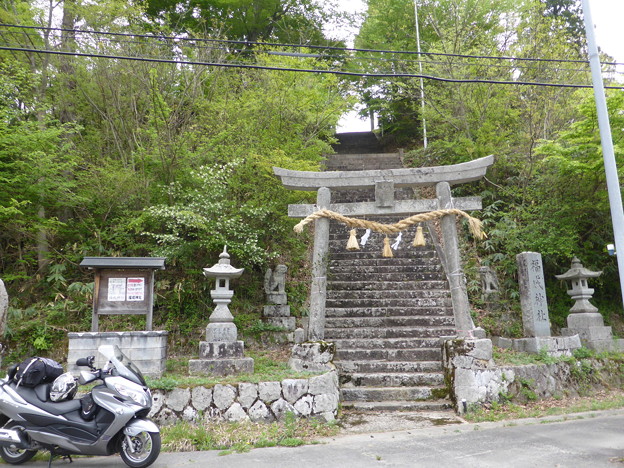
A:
(320, 254)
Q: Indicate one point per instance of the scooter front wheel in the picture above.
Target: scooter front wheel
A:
(140, 450)
(14, 455)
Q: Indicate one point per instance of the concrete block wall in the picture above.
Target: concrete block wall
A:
(146, 349)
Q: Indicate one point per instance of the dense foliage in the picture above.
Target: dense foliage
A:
(546, 191)
(110, 156)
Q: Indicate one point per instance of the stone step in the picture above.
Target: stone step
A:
(349, 367)
(377, 156)
(397, 332)
(386, 393)
(394, 332)
(364, 157)
(421, 354)
(421, 263)
(399, 280)
(343, 254)
(413, 266)
(356, 165)
(354, 162)
(399, 266)
(390, 294)
(412, 379)
(336, 268)
(356, 143)
(388, 311)
(387, 282)
(406, 249)
(356, 322)
(398, 406)
(440, 301)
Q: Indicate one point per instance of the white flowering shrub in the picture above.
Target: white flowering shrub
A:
(204, 216)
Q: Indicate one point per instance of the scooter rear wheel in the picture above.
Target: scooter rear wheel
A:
(14, 455)
(140, 450)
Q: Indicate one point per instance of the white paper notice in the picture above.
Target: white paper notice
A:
(136, 289)
(116, 289)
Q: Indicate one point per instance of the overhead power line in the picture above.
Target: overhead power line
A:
(300, 46)
(175, 54)
(303, 70)
(362, 59)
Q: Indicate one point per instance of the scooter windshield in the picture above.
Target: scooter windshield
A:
(124, 366)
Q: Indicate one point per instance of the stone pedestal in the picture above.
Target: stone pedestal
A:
(553, 345)
(463, 360)
(221, 358)
(277, 298)
(279, 315)
(593, 333)
(146, 349)
(312, 356)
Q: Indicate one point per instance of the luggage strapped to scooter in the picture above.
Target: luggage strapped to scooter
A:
(36, 370)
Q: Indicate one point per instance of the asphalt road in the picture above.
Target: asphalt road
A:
(593, 439)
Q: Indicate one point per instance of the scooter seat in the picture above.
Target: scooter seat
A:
(43, 392)
(37, 396)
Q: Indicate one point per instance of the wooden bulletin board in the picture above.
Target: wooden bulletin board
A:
(123, 286)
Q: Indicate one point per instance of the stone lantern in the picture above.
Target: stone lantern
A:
(221, 353)
(576, 278)
(584, 319)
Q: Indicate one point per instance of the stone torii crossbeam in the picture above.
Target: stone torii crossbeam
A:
(385, 182)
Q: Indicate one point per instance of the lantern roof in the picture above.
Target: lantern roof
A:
(578, 271)
(223, 269)
(150, 263)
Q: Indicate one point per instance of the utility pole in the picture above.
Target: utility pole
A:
(422, 86)
(613, 182)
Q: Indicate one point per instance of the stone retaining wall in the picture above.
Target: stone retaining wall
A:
(315, 397)
(475, 379)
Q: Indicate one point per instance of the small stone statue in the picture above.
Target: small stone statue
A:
(275, 285)
(489, 282)
(277, 312)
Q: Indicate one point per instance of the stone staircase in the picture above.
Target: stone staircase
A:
(385, 315)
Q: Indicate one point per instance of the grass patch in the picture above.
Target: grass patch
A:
(509, 357)
(550, 407)
(242, 436)
(270, 365)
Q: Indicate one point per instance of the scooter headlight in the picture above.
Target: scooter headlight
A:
(138, 396)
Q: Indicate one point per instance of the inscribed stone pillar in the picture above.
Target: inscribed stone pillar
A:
(532, 295)
(459, 295)
(318, 293)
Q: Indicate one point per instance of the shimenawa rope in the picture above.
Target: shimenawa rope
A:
(475, 225)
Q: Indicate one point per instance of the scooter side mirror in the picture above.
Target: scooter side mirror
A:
(88, 362)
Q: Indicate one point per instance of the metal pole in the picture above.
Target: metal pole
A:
(422, 86)
(613, 183)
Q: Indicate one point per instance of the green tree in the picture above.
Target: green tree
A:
(292, 21)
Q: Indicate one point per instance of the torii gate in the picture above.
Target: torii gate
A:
(384, 182)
